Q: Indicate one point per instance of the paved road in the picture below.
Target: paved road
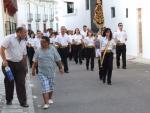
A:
(80, 91)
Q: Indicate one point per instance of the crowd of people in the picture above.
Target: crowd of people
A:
(44, 50)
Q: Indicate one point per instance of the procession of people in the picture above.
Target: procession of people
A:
(49, 49)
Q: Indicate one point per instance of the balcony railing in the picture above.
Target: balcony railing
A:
(45, 18)
(37, 17)
(29, 17)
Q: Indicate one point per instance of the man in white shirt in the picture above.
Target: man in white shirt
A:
(84, 34)
(13, 53)
(62, 41)
(37, 40)
(120, 37)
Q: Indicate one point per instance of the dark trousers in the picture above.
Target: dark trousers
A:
(100, 69)
(78, 54)
(90, 55)
(72, 52)
(121, 50)
(64, 54)
(30, 52)
(19, 73)
(107, 67)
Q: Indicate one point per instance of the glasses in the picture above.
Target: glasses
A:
(120, 25)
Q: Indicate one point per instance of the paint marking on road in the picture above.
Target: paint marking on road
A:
(35, 97)
(146, 71)
(31, 85)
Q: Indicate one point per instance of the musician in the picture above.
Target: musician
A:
(90, 50)
(78, 41)
(107, 45)
(121, 37)
(62, 40)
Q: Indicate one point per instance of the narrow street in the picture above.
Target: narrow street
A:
(80, 91)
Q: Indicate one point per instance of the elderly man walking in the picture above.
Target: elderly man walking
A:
(13, 53)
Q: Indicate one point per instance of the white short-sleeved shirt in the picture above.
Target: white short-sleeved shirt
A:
(71, 37)
(84, 34)
(121, 36)
(37, 43)
(89, 41)
(78, 38)
(30, 41)
(104, 42)
(15, 50)
(63, 40)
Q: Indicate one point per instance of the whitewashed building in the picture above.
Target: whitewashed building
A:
(134, 14)
(43, 14)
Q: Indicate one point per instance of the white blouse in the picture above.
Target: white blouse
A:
(89, 41)
(104, 41)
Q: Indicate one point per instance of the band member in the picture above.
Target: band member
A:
(84, 34)
(53, 39)
(121, 37)
(62, 41)
(78, 41)
(30, 47)
(90, 50)
(71, 47)
(107, 45)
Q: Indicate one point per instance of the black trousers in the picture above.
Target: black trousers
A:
(72, 52)
(121, 50)
(90, 55)
(30, 52)
(19, 73)
(64, 55)
(78, 54)
(107, 67)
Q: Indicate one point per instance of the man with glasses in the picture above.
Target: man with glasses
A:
(121, 38)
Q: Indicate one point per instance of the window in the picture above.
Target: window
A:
(87, 4)
(10, 27)
(113, 12)
(127, 13)
(29, 26)
(70, 7)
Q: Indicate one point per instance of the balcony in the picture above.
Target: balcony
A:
(37, 17)
(29, 17)
(45, 18)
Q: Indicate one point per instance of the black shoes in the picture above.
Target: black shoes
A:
(24, 105)
(66, 71)
(124, 68)
(109, 84)
(9, 102)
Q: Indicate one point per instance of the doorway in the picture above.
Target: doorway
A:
(140, 40)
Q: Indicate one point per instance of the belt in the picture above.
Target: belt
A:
(120, 44)
(63, 46)
(57, 46)
(90, 47)
(108, 51)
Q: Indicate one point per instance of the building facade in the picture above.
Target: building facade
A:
(43, 14)
(135, 17)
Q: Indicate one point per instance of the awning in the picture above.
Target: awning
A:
(10, 6)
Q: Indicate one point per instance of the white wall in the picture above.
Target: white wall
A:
(146, 28)
(1, 22)
(78, 19)
(129, 23)
(21, 13)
